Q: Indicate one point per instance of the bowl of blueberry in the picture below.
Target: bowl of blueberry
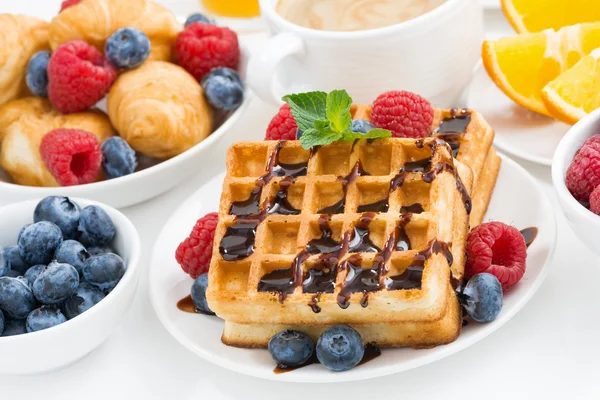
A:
(68, 274)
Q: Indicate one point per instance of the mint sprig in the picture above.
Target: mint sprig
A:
(325, 118)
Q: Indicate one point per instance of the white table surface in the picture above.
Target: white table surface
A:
(549, 350)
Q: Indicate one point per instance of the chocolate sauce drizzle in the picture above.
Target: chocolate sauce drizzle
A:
(281, 204)
(452, 128)
(338, 208)
(416, 208)
(529, 234)
(403, 241)
(361, 242)
(378, 206)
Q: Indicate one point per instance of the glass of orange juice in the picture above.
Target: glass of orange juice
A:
(232, 8)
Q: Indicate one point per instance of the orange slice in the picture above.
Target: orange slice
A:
(523, 65)
(575, 93)
(537, 15)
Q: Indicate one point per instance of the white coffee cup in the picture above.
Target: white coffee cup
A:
(434, 55)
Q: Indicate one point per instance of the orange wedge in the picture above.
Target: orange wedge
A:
(575, 93)
(523, 65)
(537, 15)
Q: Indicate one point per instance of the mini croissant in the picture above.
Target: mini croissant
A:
(159, 109)
(20, 37)
(94, 21)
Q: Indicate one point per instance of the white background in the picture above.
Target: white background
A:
(549, 350)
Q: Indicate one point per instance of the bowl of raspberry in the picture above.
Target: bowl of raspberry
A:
(68, 274)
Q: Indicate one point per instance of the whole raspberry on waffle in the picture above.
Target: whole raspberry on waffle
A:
(202, 47)
(405, 114)
(283, 125)
(195, 252)
(68, 3)
(498, 249)
(583, 175)
(78, 76)
(72, 156)
(595, 201)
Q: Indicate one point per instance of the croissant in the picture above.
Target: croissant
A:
(20, 37)
(159, 109)
(95, 20)
(23, 124)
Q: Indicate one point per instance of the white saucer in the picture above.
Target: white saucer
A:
(517, 200)
(519, 132)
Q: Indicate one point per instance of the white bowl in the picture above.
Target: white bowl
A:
(584, 223)
(66, 343)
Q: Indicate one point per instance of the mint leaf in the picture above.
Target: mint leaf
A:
(372, 134)
(322, 125)
(307, 108)
(338, 110)
(313, 137)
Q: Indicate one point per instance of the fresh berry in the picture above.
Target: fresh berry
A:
(104, 271)
(21, 231)
(595, 200)
(118, 158)
(60, 210)
(4, 263)
(1, 322)
(298, 133)
(583, 175)
(68, 3)
(340, 348)
(73, 253)
(39, 241)
(202, 47)
(498, 249)
(56, 282)
(96, 250)
(194, 253)
(86, 296)
(405, 114)
(482, 297)
(37, 73)
(95, 228)
(127, 48)
(43, 318)
(362, 126)
(79, 76)
(283, 125)
(72, 156)
(13, 274)
(33, 273)
(14, 327)
(291, 348)
(199, 289)
(15, 261)
(223, 89)
(16, 298)
(198, 18)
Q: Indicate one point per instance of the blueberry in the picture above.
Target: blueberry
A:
(223, 89)
(95, 250)
(4, 263)
(198, 18)
(15, 261)
(14, 327)
(298, 133)
(16, 297)
(21, 231)
(43, 318)
(61, 211)
(199, 294)
(86, 296)
(1, 322)
(73, 253)
(56, 282)
(95, 227)
(362, 126)
(291, 348)
(13, 274)
(32, 273)
(118, 158)
(340, 348)
(127, 48)
(104, 271)
(39, 241)
(482, 297)
(37, 73)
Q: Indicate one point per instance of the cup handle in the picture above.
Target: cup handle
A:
(263, 67)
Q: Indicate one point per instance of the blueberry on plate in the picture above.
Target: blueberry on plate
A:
(95, 227)
(340, 348)
(1, 322)
(73, 253)
(39, 241)
(4, 264)
(362, 126)
(43, 318)
(37, 73)
(32, 273)
(291, 348)
(223, 89)
(482, 297)
(298, 133)
(198, 18)
(61, 211)
(104, 271)
(14, 327)
(199, 294)
(13, 274)
(118, 158)
(86, 296)
(56, 282)
(15, 261)
(127, 48)
(16, 297)
(21, 231)
(96, 250)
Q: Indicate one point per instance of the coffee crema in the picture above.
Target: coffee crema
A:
(352, 15)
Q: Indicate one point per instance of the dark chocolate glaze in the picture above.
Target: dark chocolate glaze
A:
(402, 239)
(250, 206)
(338, 207)
(324, 244)
(412, 277)
(378, 206)
(280, 204)
(458, 122)
(187, 305)
(453, 140)
(415, 208)
(529, 234)
(320, 280)
(238, 241)
(418, 165)
(360, 241)
(292, 170)
(280, 281)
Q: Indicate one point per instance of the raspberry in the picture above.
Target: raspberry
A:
(72, 156)
(79, 76)
(202, 47)
(583, 174)
(68, 3)
(283, 125)
(194, 253)
(498, 249)
(406, 114)
(595, 200)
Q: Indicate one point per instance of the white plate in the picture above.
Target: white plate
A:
(519, 132)
(517, 200)
(492, 4)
